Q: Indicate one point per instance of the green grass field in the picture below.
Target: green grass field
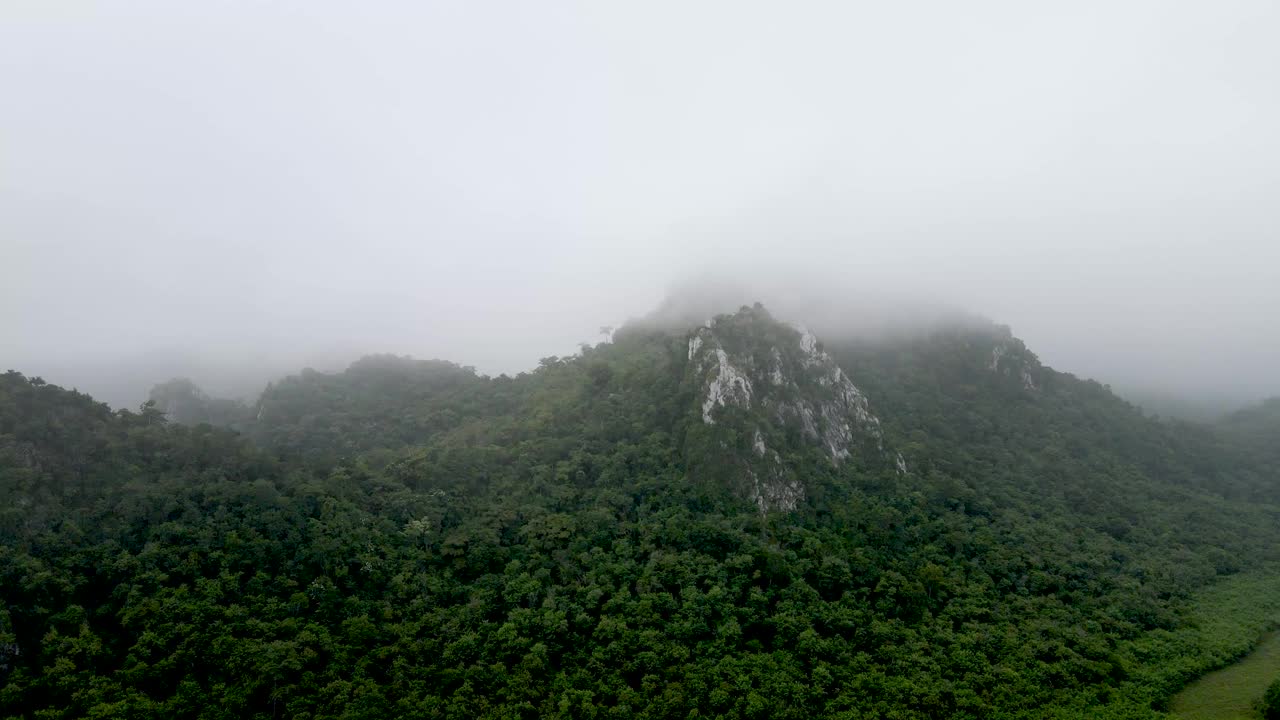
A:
(1230, 693)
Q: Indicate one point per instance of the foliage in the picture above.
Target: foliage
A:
(410, 539)
(380, 402)
(1253, 434)
(1270, 705)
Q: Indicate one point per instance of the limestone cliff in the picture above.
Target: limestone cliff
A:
(767, 391)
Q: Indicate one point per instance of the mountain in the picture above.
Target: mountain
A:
(772, 402)
(729, 518)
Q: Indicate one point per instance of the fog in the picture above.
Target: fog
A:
(234, 190)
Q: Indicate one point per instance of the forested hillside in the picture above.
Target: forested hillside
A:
(1254, 433)
(735, 520)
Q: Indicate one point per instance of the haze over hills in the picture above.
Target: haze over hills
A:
(731, 359)
(735, 518)
(492, 185)
(830, 307)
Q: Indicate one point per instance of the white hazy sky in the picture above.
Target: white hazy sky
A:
(489, 182)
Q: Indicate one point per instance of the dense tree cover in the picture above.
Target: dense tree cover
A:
(1254, 434)
(411, 539)
(381, 401)
(1270, 703)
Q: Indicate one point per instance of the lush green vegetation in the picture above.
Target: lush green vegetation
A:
(1236, 691)
(411, 539)
(1270, 704)
(1252, 434)
(1230, 626)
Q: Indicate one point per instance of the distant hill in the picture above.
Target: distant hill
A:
(1254, 432)
(182, 401)
(1197, 407)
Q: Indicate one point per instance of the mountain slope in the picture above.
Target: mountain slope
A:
(771, 400)
(604, 537)
(1254, 432)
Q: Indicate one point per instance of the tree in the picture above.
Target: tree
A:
(1270, 705)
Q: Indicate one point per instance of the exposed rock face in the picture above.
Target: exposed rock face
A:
(765, 381)
(772, 487)
(1010, 357)
(728, 385)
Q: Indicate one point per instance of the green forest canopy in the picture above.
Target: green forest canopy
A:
(408, 538)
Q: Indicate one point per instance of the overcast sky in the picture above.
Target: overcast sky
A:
(277, 183)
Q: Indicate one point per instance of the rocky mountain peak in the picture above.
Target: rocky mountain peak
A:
(774, 385)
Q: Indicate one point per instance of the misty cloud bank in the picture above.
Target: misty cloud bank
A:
(237, 190)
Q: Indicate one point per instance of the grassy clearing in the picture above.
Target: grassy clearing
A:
(1224, 625)
(1230, 693)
